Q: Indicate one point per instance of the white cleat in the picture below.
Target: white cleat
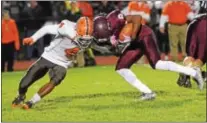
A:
(199, 78)
(147, 96)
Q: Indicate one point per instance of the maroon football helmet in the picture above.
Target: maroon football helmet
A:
(102, 29)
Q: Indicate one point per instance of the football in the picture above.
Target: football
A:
(126, 31)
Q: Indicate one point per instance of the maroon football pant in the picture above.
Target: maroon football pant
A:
(196, 42)
(145, 45)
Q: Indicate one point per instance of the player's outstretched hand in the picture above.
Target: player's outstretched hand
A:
(28, 41)
(113, 41)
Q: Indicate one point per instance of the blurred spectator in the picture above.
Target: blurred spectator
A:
(105, 7)
(162, 39)
(10, 41)
(73, 11)
(139, 8)
(34, 13)
(58, 10)
(195, 6)
(86, 9)
(176, 13)
(5, 5)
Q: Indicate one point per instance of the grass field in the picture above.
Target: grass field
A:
(100, 94)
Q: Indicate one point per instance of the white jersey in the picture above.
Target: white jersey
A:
(64, 34)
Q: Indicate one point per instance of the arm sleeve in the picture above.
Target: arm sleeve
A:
(49, 29)
(67, 29)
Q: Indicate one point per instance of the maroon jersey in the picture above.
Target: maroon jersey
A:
(145, 44)
(117, 21)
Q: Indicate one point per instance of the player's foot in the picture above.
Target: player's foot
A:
(148, 96)
(18, 100)
(184, 81)
(27, 105)
(199, 78)
(187, 83)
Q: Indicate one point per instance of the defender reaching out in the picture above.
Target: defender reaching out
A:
(70, 38)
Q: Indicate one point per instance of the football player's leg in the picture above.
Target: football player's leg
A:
(191, 49)
(202, 44)
(35, 72)
(127, 59)
(57, 74)
(154, 60)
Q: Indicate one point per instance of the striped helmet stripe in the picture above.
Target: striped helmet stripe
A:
(87, 26)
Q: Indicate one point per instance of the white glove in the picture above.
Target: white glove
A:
(113, 40)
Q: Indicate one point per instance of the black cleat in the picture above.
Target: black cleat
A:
(18, 101)
(27, 105)
(184, 81)
(204, 75)
(187, 83)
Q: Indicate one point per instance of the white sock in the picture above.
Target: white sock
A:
(131, 78)
(36, 98)
(172, 66)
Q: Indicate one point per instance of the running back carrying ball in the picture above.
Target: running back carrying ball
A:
(125, 33)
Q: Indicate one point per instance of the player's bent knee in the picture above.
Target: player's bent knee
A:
(154, 61)
(56, 82)
(57, 79)
(57, 74)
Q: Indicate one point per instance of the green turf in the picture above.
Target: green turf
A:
(100, 94)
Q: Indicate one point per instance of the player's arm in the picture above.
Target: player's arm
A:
(49, 29)
(136, 22)
(101, 49)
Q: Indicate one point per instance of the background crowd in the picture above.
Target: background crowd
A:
(22, 18)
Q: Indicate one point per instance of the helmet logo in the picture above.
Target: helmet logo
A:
(121, 16)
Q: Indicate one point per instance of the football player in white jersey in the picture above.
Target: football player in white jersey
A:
(70, 38)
